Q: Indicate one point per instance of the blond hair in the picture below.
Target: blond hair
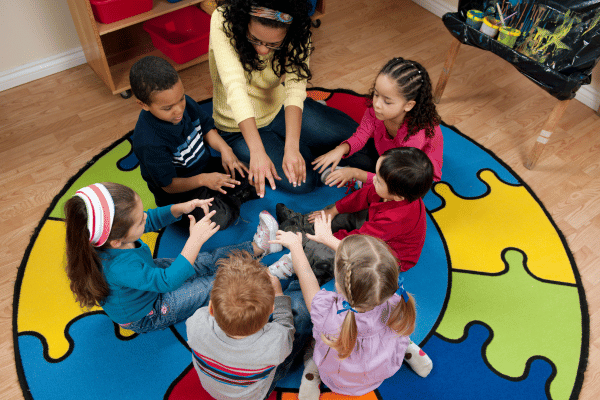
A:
(366, 272)
(242, 295)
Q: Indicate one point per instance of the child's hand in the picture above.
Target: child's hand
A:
(288, 239)
(332, 157)
(202, 230)
(340, 177)
(191, 205)
(329, 212)
(323, 232)
(216, 181)
(276, 284)
(231, 164)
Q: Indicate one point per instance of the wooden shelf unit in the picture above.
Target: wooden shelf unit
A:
(111, 49)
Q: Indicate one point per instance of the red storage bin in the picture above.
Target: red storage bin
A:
(181, 35)
(107, 11)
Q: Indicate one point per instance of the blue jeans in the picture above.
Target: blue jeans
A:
(178, 305)
(303, 333)
(323, 128)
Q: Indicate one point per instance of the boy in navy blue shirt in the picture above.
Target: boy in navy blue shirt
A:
(170, 140)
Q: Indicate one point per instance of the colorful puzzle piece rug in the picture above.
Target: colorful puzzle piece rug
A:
(501, 308)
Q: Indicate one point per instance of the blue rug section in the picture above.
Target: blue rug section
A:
(460, 372)
(109, 367)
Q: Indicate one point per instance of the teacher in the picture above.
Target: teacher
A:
(258, 57)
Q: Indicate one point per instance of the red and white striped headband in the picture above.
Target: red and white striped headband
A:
(100, 212)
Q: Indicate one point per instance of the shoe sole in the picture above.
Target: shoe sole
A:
(271, 223)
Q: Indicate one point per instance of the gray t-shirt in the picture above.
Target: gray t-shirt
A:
(240, 368)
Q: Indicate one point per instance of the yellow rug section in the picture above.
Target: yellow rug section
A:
(45, 278)
(478, 230)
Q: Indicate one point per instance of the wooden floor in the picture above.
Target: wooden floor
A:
(51, 127)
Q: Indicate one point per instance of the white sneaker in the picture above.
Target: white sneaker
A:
(267, 230)
(283, 267)
(327, 171)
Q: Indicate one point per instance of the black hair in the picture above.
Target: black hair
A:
(413, 83)
(296, 47)
(151, 74)
(407, 172)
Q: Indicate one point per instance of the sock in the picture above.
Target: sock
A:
(309, 386)
(418, 360)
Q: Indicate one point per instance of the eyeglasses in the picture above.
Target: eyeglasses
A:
(257, 42)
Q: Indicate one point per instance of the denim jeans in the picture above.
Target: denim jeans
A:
(303, 333)
(178, 305)
(323, 128)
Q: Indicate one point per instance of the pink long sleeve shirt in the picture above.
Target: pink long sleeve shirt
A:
(371, 127)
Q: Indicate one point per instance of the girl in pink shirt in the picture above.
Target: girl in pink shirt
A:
(401, 113)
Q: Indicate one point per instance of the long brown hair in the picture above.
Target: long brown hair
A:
(84, 268)
(366, 274)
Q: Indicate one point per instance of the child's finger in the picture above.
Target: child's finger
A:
(192, 220)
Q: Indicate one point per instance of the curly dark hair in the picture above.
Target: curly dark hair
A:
(296, 47)
(151, 74)
(413, 83)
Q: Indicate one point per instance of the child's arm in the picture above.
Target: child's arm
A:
(308, 281)
(200, 232)
(214, 181)
(229, 160)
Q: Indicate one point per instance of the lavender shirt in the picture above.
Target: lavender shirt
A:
(378, 353)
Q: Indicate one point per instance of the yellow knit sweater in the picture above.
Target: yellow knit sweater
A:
(236, 99)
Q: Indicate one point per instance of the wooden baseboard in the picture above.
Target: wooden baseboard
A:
(41, 68)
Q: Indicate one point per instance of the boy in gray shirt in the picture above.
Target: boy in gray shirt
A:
(235, 349)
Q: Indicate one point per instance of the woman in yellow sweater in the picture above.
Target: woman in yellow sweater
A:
(255, 46)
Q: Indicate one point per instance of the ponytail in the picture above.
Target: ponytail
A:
(84, 267)
(403, 316)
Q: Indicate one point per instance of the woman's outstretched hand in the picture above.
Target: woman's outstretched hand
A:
(294, 167)
(261, 168)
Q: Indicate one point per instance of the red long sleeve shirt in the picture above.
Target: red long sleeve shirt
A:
(400, 224)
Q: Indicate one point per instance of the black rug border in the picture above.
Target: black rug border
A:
(583, 358)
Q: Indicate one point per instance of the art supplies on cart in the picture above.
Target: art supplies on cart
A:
(533, 29)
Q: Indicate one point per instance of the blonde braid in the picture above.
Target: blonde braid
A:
(348, 283)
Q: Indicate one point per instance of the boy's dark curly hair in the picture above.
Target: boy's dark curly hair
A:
(413, 83)
(151, 74)
(296, 47)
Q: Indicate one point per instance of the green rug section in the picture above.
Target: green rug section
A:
(528, 317)
(106, 165)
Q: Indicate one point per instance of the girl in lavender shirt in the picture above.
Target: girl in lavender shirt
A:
(400, 113)
(361, 331)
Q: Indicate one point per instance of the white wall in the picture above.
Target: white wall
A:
(38, 38)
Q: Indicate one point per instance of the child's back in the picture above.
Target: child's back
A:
(235, 350)
(378, 353)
